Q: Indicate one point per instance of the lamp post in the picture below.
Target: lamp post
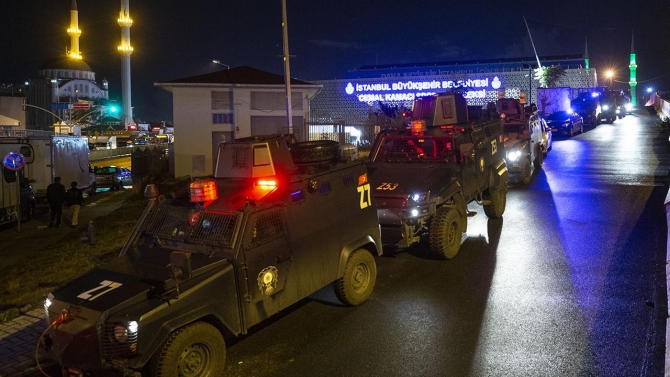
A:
(219, 63)
(609, 74)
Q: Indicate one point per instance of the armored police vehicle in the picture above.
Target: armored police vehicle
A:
(423, 176)
(204, 266)
(525, 146)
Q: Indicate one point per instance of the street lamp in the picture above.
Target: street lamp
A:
(219, 63)
(649, 89)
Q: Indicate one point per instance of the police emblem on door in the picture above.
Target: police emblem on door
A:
(267, 280)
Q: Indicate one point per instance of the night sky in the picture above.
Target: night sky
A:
(175, 39)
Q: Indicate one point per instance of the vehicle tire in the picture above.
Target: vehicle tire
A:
(525, 173)
(93, 189)
(572, 131)
(195, 350)
(310, 152)
(358, 282)
(444, 234)
(119, 186)
(581, 128)
(537, 163)
(497, 201)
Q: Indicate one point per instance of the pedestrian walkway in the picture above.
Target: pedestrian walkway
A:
(19, 337)
(18, 345)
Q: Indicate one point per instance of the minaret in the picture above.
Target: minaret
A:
(633, 71)
(125, 49)
(586, 53)
(74, 32)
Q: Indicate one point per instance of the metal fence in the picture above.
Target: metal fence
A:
(101, 154)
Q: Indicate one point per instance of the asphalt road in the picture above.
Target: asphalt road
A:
(570, 283)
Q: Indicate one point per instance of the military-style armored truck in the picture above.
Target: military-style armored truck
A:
(524, 142)
(261, 234)
(423, 176)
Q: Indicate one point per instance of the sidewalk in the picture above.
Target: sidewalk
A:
(19, 337)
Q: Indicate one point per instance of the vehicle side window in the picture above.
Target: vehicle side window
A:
(267, 227)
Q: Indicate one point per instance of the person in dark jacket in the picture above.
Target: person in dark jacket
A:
(74, 199)
(56, 198)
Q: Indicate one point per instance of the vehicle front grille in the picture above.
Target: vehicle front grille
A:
(112, 348)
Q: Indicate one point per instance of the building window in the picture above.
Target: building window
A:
(221, 100)
(222, 118)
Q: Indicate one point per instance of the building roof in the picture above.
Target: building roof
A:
(239, 75)
(64, 62)
(525, 60)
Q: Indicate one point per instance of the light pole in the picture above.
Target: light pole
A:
(219, 63)
(609, 74)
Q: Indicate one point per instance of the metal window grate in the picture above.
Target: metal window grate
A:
(170, 222)
(417, 149)
(267, 227)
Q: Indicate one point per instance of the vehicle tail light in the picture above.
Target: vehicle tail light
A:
(418, 127)
(267, 183)
(204, 191)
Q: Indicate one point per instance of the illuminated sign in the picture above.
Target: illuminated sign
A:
(407, 91)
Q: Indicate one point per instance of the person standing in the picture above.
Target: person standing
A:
(56, 198)
(74, 199)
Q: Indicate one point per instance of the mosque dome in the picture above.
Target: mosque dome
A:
(64, 62)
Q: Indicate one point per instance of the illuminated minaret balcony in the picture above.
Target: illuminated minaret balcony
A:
(125, 49)
(125, 20)
(74, 55)
(74, 32)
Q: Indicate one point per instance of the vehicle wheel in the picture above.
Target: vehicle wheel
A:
(498, 200)
(119, 185)
(194, 350)
(525, 173)
(360, 275)
(572, 131)
(444, 234)
(309, 152)
(581, 128)
(537, 163)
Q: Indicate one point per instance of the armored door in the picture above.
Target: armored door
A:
(267, 254)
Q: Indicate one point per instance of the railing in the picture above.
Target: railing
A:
(10, 132)
(101, 154)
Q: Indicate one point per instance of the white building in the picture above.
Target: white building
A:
(229, 104)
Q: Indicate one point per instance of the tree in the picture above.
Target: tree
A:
(549, 77)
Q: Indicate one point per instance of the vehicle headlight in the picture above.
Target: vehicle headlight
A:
(606, 107)
(629, 106)
(123, 332)
(414, 212)
(617, 110)
(514, 155)
(419, 197)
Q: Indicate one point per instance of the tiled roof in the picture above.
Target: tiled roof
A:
(237, 75)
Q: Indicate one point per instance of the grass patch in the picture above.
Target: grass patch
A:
(33, 277)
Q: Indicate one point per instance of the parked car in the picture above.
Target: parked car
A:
(565, 123)
(113, 177)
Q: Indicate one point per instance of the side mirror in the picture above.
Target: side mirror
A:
(180, 262)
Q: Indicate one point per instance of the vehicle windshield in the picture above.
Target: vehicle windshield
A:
(559, 115)
(105, 170)
(185, 224)
(406, 148)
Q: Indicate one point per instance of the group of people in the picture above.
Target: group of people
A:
(57, 197)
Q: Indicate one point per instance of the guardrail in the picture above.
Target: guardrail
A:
(101, 154)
